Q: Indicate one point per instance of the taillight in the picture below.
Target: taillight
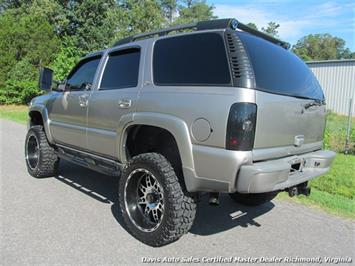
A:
(241, 127)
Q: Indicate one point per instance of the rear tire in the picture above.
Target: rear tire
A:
(41, 159)
(253, 199)
(154, 205)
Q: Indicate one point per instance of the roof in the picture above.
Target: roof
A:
(228, 23)
(330, 61)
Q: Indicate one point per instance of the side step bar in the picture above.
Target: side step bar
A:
(91, 161)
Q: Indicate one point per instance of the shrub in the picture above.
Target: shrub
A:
(65, 60)
(30, 42)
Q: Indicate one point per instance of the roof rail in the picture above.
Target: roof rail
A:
(206, 25)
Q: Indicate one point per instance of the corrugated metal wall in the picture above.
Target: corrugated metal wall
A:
(337, 78)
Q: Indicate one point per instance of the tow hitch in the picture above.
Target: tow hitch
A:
(301, 189)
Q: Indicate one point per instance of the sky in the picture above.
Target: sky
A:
(297, 18)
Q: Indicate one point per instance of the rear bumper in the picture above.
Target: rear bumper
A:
(275, 175)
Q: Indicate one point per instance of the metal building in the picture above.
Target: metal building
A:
(337, 78)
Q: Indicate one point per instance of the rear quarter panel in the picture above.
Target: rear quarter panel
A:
(192, 103)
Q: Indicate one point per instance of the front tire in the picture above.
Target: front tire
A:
(253, 199)
(41, 159)
(156, 209)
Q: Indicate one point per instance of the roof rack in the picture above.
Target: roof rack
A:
(206, 25)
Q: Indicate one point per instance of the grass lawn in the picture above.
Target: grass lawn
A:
(16, 113)
(335, 133)
(333, 192)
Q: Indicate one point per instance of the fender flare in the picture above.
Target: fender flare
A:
(44, 113)
(176, 126)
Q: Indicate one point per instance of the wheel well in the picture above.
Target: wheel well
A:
(142, 139)
(35, 118)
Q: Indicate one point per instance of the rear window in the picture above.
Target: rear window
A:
(195, 59)
(280, 71)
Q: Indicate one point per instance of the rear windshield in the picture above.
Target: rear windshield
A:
(279, 71)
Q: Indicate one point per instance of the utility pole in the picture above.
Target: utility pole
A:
(347, 142)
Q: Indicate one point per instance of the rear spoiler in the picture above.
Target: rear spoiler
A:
(263, 35)
(229, 23)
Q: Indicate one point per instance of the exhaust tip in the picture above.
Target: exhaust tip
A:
(213, 199)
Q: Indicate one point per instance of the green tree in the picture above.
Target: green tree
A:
(68, 55)
(139, 16)
(21, 85)
(169, 9)
(28, 42)
(347, 54)
(271, 29)
(91, 23)
(321, 47)
(194, 11)
(252, 25)
(188, 3)
(53, 11)
(7, 4)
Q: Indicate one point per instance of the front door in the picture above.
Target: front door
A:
(114, 101)
(68, 111)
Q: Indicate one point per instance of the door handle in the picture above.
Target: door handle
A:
(83, 100)
(125, 103)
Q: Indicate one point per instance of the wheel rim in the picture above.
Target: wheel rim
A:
(32, 152)
(144, 200)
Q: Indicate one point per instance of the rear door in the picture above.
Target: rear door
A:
(290, 102)
(114, 101)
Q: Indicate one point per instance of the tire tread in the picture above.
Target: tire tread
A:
(182, 205)
(48, 162)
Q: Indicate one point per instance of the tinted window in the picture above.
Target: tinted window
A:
(196, 59)
(279, 71)
(121, 70)
(82, 76)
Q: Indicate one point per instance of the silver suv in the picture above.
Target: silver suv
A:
(215, 107)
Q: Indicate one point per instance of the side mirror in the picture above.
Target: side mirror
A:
(61, 87)
(58, 86)
(45, 79)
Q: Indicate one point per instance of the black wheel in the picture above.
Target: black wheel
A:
(154, 205)
(253, 199)
(41, 159)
